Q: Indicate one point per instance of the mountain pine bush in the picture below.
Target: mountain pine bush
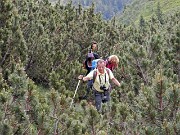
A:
(42, 48)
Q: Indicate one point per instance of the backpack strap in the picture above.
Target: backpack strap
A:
(107, 70)
(95, 73)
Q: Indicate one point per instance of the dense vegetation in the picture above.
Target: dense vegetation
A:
(44, 45)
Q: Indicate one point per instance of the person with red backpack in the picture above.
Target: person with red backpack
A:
(112, 62)
(101, 84)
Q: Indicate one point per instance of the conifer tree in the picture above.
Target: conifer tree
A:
(57, 38)
(160, 106)
(12, 101)
(12, 42)
(142, 22)
(159, 13)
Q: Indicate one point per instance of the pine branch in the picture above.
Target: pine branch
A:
(28, 63)
(4, 58)
(160, 98)
(39, 132)
(23, 133)
(55, 125)
(5, 110)
(142, 73)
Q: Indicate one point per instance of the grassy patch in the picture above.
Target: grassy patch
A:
(147, 8)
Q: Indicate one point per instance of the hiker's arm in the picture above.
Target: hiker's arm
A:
(84, 78)
(116, 82)
(114, 79)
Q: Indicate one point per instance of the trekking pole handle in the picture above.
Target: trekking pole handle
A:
(80, 77)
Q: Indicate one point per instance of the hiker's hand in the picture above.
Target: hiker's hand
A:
(80, 77)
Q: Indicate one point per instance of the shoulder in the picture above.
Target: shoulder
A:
(108, 70)
(96, 56)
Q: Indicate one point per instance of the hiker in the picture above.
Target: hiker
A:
(88, 62)
(88, 66)
(100, 76)
(112, 62)
(90, 57)
(93, 50)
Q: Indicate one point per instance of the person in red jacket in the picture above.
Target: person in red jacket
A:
(112, 62)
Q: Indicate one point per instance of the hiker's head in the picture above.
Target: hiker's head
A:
(114, 60)
(101, 64)
(94, 46)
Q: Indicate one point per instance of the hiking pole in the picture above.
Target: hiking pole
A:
(75, 93)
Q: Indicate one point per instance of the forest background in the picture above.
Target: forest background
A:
(43, 45)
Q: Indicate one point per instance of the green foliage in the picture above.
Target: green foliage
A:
(159, 106)
(5, 129)
(42, 48)
(12, 43)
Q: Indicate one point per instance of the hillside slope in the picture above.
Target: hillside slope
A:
(147, 8)
(42, 48)
(108, 8)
